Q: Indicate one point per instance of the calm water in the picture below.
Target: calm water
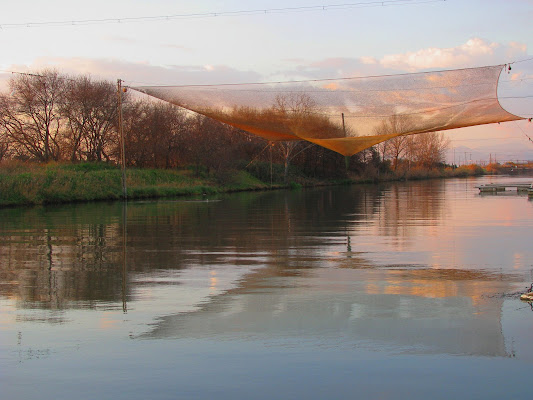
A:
(395, 291)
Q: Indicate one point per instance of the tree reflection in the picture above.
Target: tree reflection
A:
(75, 255)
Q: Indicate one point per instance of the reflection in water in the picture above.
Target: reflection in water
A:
(124, 255)
(417, 268)
(409, 310)
(50, 258)
(74, 252)
(406, 208)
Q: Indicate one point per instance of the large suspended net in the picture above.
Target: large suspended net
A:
(348, 115)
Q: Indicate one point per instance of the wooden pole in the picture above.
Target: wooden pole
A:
(122, 145)
(346, 158)
(271, 144)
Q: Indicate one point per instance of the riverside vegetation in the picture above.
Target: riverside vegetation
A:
(30, 184)
(59, 142)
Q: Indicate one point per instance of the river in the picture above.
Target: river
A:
(397, 290)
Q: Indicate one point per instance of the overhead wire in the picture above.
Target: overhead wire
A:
(326, 90)
(520, 61)
(318, 80)
(323, 79)
(224, 85)
(519, 127)
(61, 77)
(493, 138)
(169, 17)
(217, 86)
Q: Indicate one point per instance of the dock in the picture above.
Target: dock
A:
(520, 187)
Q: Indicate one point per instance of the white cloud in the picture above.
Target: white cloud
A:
(475, 52)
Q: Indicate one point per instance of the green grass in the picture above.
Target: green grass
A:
(26, 184)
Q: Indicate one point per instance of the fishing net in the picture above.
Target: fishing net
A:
(348, 115)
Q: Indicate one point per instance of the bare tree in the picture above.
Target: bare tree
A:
(90, 108)
(164, 130)
(383, 149)
(176, 125)
(159, 135)
(395, 147)
(134, 125)
(212, 144)
(297, 110)
(427, 149)
(4, 139)
(32, 118)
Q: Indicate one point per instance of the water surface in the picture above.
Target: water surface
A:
(401, 290)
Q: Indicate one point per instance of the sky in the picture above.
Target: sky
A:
(298, 41)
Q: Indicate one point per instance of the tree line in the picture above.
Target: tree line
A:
(54, 117)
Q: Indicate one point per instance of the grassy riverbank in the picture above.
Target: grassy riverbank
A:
(27, 184)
